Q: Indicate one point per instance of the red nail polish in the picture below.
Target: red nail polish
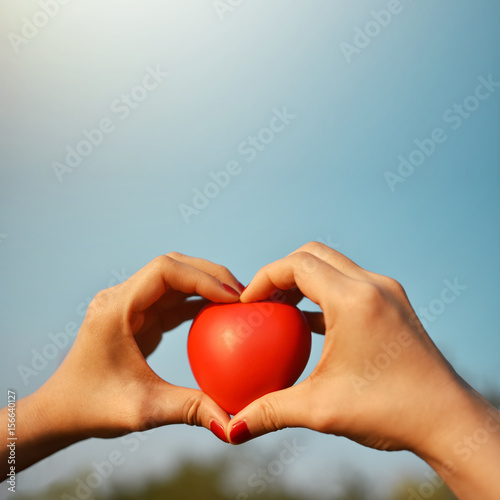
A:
(240, 433)
(218, 430)
(242, 286)
(230, 289)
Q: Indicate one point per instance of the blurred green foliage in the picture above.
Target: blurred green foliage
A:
(203, 481)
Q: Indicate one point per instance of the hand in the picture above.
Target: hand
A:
(104, 387)
(380, 379)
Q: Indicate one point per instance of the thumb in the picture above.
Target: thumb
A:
(274, 411)
(192, 407)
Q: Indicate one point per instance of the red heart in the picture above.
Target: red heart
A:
(239, 352)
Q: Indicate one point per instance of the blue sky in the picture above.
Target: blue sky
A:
(220, 79)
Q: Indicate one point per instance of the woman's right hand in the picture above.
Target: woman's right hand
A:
(380, 380)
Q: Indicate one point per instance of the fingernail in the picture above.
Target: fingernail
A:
(218, 430)
(240, 433)
(242, 286)
(229, 289)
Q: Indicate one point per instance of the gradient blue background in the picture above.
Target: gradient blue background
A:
(321, 178)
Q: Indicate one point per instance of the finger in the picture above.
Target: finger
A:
(164, 273)
(167, 316)
(316, 321)
(347, 267)
(292, 296)
(153, 328)
(220, 272)
(176, 405)
(316, 279)
(170, 318)
(148, 341)
(334, 258)
(287, 408)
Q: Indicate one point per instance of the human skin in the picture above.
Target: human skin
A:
(104, 387)
(414, 401)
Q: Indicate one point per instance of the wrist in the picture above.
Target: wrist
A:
(41, 429)
(54, 417)
(463, 445)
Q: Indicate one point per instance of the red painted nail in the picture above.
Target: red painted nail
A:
(240, 433)
(242, 286)
(218, 430)
(230, 289)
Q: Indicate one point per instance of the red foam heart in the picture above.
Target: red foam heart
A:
(239, 352)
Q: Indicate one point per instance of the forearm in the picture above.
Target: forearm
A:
(37, 435)
(467, 455)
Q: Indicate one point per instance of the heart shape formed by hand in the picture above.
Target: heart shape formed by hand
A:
(239, 352)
